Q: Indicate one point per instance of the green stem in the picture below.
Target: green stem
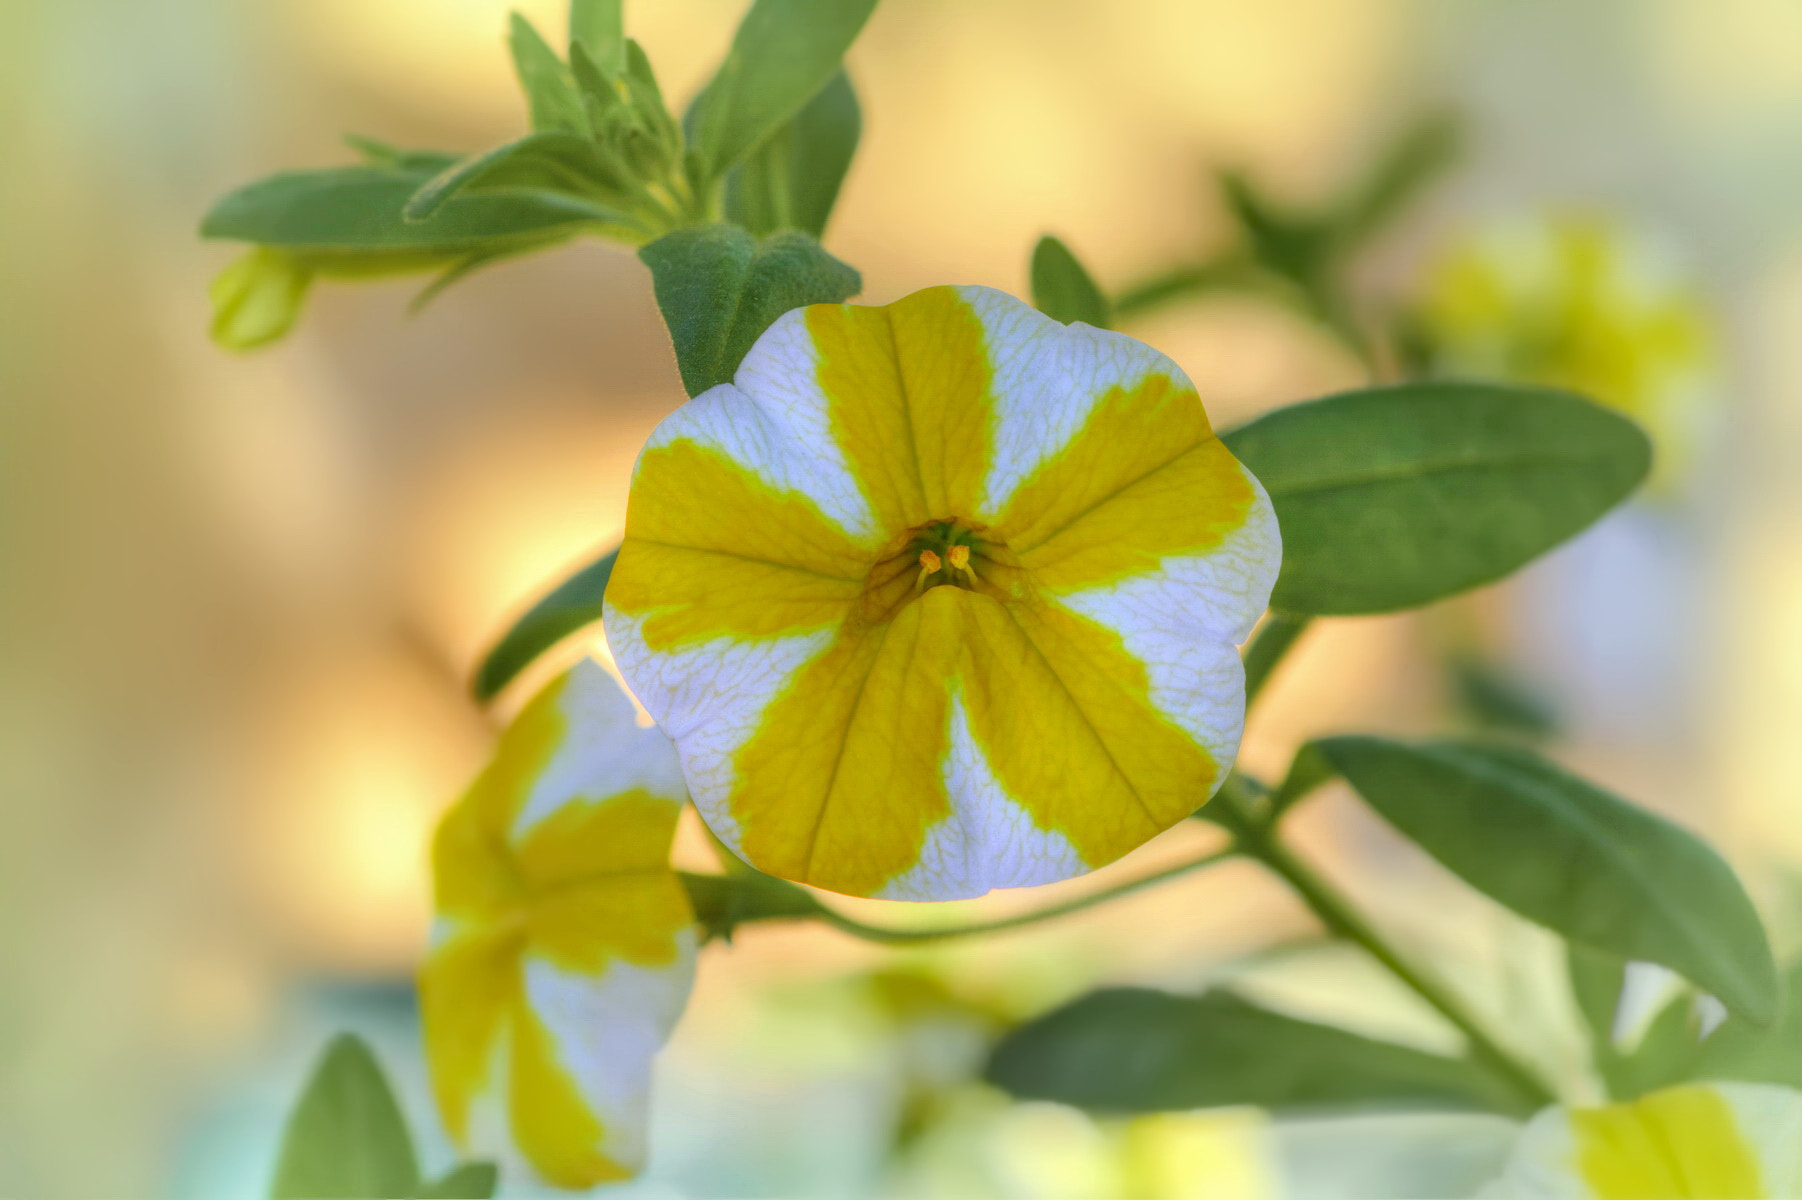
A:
(1274, 639)
(1340, 918)
(893, 937)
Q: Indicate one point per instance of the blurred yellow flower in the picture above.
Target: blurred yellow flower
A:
(1574, 301)
(1721, 1141)
(942, 596)
(565, 945)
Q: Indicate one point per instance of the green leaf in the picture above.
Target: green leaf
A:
(598, 26)
(1563, 853)
(719, 289)
(347, 1137)
(1061, 289)
(467, 1181)
(1135, 1050)
(1420, 155)
(783, 54)
(378, 153)
(1398, 496)
(572, 604)
(548, 162)
(357, 211)
(1309, 769)
(724, 902)
(1740, 1050)
(1496, 699)
(793, 179)
(257, 299)
(551, 95)
(1667, 1053)
(1596, 979)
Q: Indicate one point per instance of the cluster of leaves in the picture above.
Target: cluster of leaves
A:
(727, 205)
(347, 1139)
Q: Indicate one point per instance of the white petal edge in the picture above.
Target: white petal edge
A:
(1047, 378)
(710, 697)
(988, 841)
(607, 1029)
(773, 420)
(604, 751)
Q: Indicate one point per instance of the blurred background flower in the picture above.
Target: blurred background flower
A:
(245, 592)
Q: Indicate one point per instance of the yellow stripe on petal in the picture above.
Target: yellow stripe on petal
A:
(911, 409)
(842, 778)
(1090, 756)
(466, 990)
(552, 1122)
(1680, 1142)
(635, 918)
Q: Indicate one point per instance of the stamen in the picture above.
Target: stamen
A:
(929, 565)
(960, 559)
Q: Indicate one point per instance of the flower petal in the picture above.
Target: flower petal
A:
(1695, 1140)
(582, 1049)
(466, 990)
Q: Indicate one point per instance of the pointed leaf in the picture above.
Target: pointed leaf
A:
(793, 180)
(1398, 496)
(547, 162)
(468, 1181)
(783, 54)
(347, 1137)
(1567, 855)
(719, 289)
(598, 26)
(572, 604)
(1135, 1050)
(358, 210)
(551, 95)
(1062, 289)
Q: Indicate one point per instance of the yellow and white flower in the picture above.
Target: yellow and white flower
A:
(1576, 301)
(942, 596)
(1715, 1141)
(565, 946)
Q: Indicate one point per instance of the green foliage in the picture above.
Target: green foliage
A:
(1135, 1050)
(1563, 853)
(1062, 289)
(1395, 497)
(1418, 156)
(347, 1137)
(719, 289)
(471, 1181)
(1596, 980)
(257, 299)
(793, 179)
(551, 95)
(783, 54)
(598, 27)
(356, 212)
(553, 162)
(572, 604)
(1742, 1050)
(724, 902)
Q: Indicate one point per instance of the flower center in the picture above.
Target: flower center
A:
(949, 552)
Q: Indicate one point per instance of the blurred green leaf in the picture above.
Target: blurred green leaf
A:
(1135, 1050)
(257, 299)
(1565, 854)
(1740, 1050)
(783, 54)
(724, 902)
(1420, 155)
(346, 1137)
(357, 211)
(377, 153)
(554, 162)
(598, 26)
(719, 288)
(569, 606)
(1062, 289)
(1666, 1054)
(1395, 497)
(1596, 979)
(468, 1181)
(1308, 770)
(551, 95)
(1496, 699)
(793, 179)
